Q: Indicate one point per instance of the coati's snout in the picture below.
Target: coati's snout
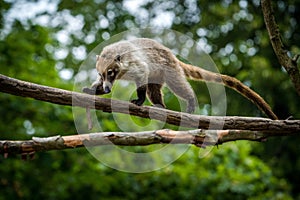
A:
(107, 87)
(109, 78)
(107, 90)
(103, 85)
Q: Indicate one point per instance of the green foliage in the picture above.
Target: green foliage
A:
(49, 44)
(228, 172)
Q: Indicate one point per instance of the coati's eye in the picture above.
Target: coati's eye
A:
(110, 72)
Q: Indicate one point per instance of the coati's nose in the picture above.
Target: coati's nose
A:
(106, 90)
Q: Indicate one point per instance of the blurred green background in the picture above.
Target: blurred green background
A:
(45, 42)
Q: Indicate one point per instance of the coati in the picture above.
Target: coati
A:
(150, 64)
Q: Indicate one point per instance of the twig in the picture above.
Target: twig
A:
(273, 29)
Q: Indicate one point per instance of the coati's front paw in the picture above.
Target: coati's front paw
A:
(93, 91)
(88, 91)
(191, 106)
(137, 102)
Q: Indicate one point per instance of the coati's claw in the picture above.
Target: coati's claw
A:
(191, 105)
(137, 102)
(190, 109)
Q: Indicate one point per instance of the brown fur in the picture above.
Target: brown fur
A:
(197, 73)
(151, 64)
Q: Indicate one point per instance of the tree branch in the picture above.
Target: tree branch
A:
(64, 97)
(273, 29)
(198, 137)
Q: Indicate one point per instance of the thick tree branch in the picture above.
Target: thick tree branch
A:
(288, 63)
(64, 97)
(198, 137)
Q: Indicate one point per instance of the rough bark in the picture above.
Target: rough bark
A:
(64, 97)
(282, 54)
(198, 137)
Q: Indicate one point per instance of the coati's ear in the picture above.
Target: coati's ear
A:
(118, 58)
(97, 57)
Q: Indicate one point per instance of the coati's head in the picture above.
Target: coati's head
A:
(108, 68)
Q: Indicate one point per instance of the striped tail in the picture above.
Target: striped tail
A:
(197, 73)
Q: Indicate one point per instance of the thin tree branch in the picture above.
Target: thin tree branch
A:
(273, 29)
(198, 137)
(64, 97)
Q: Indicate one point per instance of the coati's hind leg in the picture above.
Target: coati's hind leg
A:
(181, 87)
(155, 95)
